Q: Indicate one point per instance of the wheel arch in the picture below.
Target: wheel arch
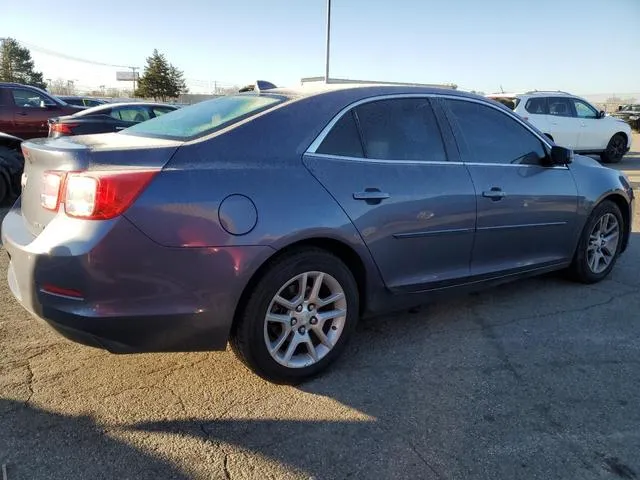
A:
(10, 141)
(625, 208)
(339, 248)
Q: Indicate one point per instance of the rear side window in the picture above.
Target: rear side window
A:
(491, 136)
(560, 107)
(343, 139)
(537, 106)
(131, 114)
(400, 129)
(205, 117)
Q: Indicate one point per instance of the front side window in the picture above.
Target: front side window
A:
(491, 136)
(560, 107)
(584, 110)
(206, 117)
(28, 99)
(400, 129)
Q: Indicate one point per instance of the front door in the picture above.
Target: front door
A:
(386, 164)
(592, 135)
(31, 113)
(527, 212)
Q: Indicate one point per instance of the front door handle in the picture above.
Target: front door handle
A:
(494, 194)
(372, 196)
(22, 114)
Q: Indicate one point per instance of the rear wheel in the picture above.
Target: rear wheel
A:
(615, 149)
(298, 317)
(599, 245)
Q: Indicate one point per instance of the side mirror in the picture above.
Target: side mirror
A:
(560, 155)
(602, 114)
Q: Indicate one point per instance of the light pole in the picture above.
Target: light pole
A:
(326, 68)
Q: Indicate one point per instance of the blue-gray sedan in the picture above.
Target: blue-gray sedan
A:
(277, 218)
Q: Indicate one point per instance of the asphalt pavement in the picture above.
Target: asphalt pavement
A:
(538, 379)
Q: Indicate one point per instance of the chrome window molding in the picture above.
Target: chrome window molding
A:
(311, 150)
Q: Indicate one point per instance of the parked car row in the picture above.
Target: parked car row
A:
(276, 218)
(629, 114)
(572, 122)
(27, 112)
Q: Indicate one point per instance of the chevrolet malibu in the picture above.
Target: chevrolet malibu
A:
(275, 219)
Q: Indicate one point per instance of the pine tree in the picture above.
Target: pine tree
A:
(17, 66)
(160, 80)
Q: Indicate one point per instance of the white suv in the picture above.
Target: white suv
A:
(571, 122)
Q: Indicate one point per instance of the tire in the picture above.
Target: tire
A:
(615, 149)
(252, 330)
(11, 167)
(580, 269)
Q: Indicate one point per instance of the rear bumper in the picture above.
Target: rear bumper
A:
(131, 294)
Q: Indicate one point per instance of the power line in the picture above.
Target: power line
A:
(70, 57)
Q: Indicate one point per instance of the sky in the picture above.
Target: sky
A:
(582, 46)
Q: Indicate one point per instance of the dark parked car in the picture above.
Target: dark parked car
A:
(276, 218)
(11, 165)
(24, 110)
(82, 101)
(630, 114)
(110, 117)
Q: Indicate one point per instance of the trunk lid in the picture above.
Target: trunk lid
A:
(109, 151)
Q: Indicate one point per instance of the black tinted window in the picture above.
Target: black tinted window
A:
(560, 107)
(536, 106)
(343, 139)
(490, 136)
(402, 129)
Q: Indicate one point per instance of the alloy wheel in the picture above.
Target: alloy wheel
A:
(305, 319)
(603, 243)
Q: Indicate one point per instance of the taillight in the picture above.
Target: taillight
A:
(64, 128)
(99, 195)
(52, 182)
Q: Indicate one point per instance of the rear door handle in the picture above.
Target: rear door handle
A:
(371, 195)
(22, 114)
(494, 194)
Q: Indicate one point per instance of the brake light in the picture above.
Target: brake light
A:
(65, 128)
(52, 181)
(103, 195)
(94, 195)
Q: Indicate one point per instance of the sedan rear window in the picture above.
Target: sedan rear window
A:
(205, 117)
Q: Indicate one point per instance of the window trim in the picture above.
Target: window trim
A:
(311, 150)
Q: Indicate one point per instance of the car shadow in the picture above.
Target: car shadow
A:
(38, 444)
(432, 394)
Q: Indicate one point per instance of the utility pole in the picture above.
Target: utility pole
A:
(133, 71)
(326, 70)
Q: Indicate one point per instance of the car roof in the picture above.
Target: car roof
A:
(109, 106)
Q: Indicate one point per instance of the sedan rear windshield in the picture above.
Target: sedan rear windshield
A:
(205, 117)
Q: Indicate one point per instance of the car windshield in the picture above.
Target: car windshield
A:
(205, 117)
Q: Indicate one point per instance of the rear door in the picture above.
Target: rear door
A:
(386, 163)
(527, 212)
(563, 124)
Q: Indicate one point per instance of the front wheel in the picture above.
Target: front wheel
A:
(615, 149)
(599, 244)
(298, 317)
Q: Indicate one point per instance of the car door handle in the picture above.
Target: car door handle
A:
(371, 195)
(494, 194)
(120, 128)
(22, 114)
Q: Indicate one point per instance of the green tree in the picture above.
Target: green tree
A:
(160, 79)
(17, 66)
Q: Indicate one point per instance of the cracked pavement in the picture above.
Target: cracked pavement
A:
(537, 379)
